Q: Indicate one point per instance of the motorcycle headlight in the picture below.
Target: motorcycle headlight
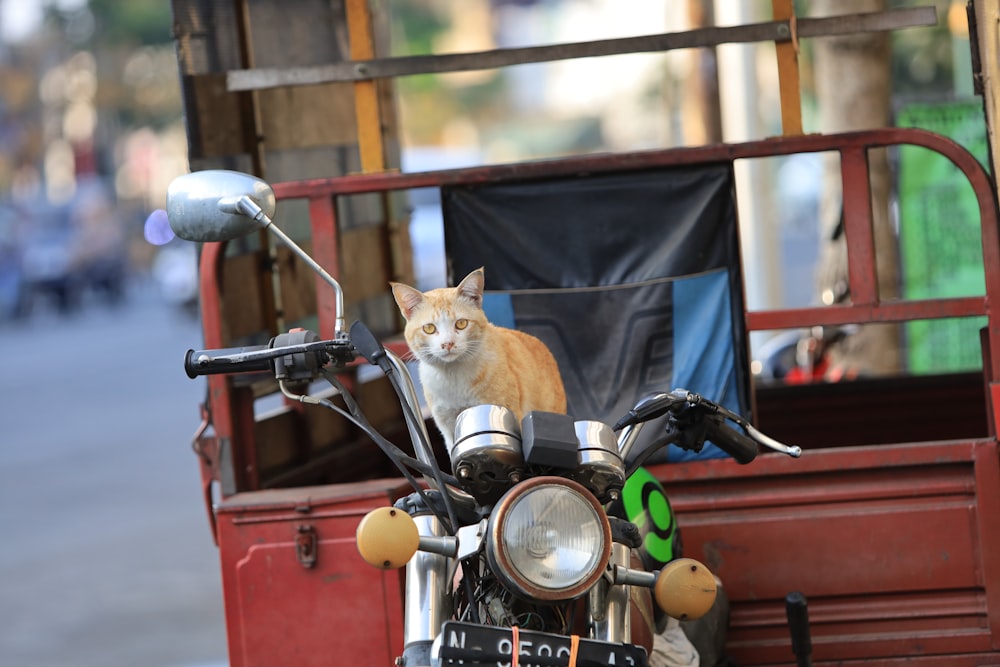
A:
(548, 539)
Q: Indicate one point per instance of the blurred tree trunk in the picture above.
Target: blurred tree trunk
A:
(854, 89)
(700, 102)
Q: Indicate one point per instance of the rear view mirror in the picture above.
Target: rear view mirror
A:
(218, 205)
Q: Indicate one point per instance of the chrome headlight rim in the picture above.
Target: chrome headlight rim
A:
(505, 569)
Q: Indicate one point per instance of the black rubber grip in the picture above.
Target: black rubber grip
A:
(738, 445)
(207, 362)
(797, 611)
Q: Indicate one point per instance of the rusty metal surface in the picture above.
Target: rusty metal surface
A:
(866, 305)
(325, 244)
(858, 228)
(230, 408)
(987, 481)
(311, 602)
(881, 409)
(894, 547)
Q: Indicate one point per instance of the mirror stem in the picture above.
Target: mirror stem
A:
(248, 207)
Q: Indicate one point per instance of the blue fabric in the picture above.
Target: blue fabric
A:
(691, 346)
(704, 359)
(702, 354)
(499, 309)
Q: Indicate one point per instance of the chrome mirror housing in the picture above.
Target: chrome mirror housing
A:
(218, 205)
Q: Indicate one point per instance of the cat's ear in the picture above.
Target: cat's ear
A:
(407, 298)
(471, 286)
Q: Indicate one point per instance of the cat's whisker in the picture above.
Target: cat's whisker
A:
(409, 355)
(473, 348)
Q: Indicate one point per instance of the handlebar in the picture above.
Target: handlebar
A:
(691, 421)
(226, 360)
(297, 355)
(741, 447)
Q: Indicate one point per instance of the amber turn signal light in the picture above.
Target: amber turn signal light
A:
(387, 538)
(685, 589)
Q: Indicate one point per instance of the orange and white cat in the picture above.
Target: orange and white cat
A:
(465, 360)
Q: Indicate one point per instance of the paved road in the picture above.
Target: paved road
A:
(105, 555)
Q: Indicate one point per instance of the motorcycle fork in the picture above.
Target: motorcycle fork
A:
(427, 595)
(609, 603)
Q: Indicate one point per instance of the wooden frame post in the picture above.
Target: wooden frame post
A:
(787, 53)
(366, 104)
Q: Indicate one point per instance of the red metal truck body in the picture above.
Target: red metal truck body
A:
(893, 537)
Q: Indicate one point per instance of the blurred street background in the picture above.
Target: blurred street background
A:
(107, 559)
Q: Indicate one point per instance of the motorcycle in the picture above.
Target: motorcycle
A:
(527, 551)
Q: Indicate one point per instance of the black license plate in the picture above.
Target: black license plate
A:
(471, 644)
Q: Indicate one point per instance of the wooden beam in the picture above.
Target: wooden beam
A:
(359, 30)
(360, 69)
(253, 136)
(985, 31)
(787, 54)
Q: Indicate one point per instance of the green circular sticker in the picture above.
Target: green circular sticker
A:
(646, 505)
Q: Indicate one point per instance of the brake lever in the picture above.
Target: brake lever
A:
(765, 440)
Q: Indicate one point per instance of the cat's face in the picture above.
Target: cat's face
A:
(443, 325)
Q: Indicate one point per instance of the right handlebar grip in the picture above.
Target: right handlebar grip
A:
(206, 362)
(741, 447)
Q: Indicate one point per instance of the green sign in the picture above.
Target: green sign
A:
(647, 506)
(940, 248)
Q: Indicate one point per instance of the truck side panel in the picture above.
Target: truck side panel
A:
(890, 544)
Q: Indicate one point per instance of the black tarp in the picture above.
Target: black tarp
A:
(632, 279)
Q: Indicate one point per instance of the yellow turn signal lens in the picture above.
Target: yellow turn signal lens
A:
(685, 589)
(387, 538)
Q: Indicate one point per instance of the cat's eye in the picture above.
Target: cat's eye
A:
(430, 329)
(461, 324)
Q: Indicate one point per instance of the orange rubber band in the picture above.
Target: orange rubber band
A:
(574, 649)
(515, 649)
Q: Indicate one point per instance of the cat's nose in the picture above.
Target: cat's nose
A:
(448, 345)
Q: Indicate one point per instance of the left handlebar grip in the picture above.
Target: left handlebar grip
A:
(207, 362)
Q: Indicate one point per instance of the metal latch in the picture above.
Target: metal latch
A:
(306, 546)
